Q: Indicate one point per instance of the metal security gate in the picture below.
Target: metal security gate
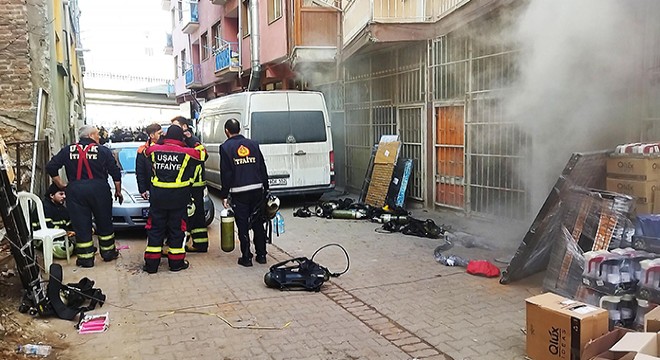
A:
(480, 170)
(384, 95)
(410, 124)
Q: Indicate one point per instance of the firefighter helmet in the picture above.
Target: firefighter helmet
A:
(272, 205)
(191, 208)
(60, 250)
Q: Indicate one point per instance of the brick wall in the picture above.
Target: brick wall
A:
(16, 88)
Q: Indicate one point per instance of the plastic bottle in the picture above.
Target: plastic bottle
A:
(31, 349)
(280, 223)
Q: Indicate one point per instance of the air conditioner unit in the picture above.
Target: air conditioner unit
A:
(218, 2)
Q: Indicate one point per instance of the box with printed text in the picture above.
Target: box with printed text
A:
(559, 328)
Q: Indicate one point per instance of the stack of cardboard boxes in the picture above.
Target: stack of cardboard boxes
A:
(637, 175)
(561, 328)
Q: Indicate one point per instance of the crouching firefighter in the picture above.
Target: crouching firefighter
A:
(173, 166)
(87, 165)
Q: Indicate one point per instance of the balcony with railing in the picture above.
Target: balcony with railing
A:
(359, 13)
(193, 76)
(315, 35)
(190, 18)
(227, 59)
(168, 44)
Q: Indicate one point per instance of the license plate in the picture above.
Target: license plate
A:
(277, 181)
(145, 213)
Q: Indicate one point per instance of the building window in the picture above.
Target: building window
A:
(179, 8)
(184, 65)
(245, 17)
(176, 66)
(274, 10)
(216, 32)
(204, 45)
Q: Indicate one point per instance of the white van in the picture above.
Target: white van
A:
(293, 132)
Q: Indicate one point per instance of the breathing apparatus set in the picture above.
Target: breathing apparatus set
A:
(395, 219)
(301, 273)
(264, 212)
(65, 301)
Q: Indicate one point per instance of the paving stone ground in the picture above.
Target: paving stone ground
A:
(395, 302)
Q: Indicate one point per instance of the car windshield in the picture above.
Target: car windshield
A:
(126, 157)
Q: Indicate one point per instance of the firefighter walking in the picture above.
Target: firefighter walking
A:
(173, 166)
(87, 165)
(198, 230)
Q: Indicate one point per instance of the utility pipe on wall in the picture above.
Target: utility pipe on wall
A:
(255, 74)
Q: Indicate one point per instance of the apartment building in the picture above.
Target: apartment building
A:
(483, 93)
(212, 46)
(450, 77)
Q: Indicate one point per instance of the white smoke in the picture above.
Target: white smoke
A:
(580, 65)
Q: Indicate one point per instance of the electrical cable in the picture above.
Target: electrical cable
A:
(348, 260)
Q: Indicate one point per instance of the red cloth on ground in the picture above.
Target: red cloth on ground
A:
(482, 268)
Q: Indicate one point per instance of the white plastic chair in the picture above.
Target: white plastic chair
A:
(45, 234)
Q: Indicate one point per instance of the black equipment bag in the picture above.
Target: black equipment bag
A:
(297, 274)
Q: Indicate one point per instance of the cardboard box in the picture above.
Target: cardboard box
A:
(559, 328)
(387, 152)
(642, 190)
(637, 167)
(652, 320)
(599, 349)
(641, 346)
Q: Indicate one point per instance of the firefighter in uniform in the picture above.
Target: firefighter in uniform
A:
(198, 230)
(142, 165)
(56, 213)
(244, 176)
(173, 166)
(87, 165)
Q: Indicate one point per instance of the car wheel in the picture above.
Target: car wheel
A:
(209, 214)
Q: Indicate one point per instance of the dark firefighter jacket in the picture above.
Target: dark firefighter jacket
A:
(57, 216)
(143, 168)
(242, 166)
(85, 160)
(173, 165)
(199, 176)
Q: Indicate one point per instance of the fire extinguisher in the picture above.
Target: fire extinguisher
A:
(227, 230)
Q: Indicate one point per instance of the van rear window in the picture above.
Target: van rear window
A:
(275, 127)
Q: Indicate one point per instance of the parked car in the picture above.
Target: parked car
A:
(134, 211)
